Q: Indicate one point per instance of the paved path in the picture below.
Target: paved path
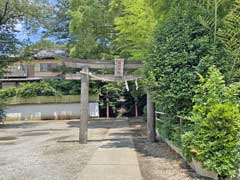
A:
(115, 158)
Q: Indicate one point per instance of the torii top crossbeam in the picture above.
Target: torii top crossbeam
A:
(98, 64)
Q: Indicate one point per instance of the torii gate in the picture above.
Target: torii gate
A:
(119, 65)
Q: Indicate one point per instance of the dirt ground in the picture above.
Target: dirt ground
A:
(46, 150)
(157, 161)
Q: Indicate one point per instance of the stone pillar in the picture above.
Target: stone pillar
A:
(151, 127)
(84, 115)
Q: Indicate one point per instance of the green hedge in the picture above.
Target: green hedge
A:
(211, 134)
(43, 88)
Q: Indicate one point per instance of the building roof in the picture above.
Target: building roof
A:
(50, 54)
(20, 79)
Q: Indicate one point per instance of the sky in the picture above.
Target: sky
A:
(22, 34)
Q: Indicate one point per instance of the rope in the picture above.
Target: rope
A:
(104, 79)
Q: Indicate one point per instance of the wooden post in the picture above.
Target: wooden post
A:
(136, 108)
(84, 115)
(151, 128)
(107, 99)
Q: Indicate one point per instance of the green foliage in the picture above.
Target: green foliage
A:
(110, 91)
(187, 145)
(6, 93)
(91, 25)
(2, 112)
(45, 44)
(104, 29)
(57, 24)
(180, 44)
(212, 16)
(8, 41)
(134, 95)
(215, 138)
(41, 88)
(13, 12)
(169, 128)
(230, 36)
(135, 27)
(161, 8)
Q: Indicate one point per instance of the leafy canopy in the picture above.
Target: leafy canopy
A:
(13, 12)
(135, 27)
(91, 27)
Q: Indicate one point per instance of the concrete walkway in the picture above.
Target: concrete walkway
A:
(115, 158)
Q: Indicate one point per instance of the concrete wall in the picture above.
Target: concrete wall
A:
(48, 111)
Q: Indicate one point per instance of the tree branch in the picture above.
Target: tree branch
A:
(4, 12)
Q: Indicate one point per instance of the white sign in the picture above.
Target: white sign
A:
(119, 65)
(93, 109)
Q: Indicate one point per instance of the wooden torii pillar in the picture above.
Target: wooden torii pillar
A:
(84, 107)
(119, 65)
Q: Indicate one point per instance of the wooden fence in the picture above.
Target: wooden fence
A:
(49, 99)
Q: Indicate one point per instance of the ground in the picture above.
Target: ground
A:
(50, 150)
(157, 161)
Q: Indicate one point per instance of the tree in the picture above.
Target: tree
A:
(110, 93)
(91, 26)
(135, 27)
(57, 24)
(230, 37)
(46, 44)
(180, 44)
(214, 12)
(13, 12)
(29, 50)
(135, 98)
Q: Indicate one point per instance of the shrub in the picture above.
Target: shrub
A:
(7, 93)
(44, 88)
(169, 128)
(41, 88)
(215, 138)
(66, 87)
(2, 112)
